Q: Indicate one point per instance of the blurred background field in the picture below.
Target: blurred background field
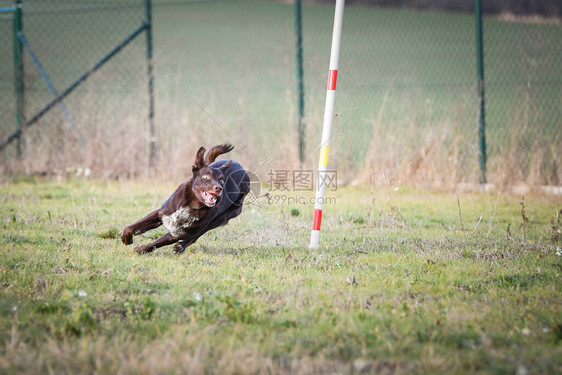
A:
(406, 105)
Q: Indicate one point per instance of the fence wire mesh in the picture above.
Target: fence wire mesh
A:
(92, 126)
(7, 97)
(524, 98)
(406, 103)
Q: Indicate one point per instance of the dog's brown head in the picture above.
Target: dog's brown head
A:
(208, 182)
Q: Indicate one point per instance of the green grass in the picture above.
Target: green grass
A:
(396, 287)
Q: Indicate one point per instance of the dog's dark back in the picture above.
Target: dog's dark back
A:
(236, 186)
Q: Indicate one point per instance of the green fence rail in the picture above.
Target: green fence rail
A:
(55, 12)
(410, 105)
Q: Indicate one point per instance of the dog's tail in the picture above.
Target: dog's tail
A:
(218, 150)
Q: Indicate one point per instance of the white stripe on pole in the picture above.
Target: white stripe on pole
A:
(336, 35)
(327, 126)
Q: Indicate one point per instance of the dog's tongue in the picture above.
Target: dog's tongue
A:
(210, 199)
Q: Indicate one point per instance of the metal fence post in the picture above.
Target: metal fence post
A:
(481, 87)
(300, 85)
(18, 71)
(150, 73)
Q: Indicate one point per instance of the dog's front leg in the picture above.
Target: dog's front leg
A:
(166, 239)
(150, 221)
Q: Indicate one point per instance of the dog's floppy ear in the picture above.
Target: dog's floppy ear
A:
(199, 160)
(225, 166)
(214, 152)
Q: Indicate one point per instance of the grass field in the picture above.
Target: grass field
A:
(405, 281)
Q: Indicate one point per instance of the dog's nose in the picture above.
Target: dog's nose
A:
(217, 188)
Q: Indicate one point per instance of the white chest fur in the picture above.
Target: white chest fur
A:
(178, 222)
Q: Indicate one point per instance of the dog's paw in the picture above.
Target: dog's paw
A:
(179, 248)
(143, 249)
(127, 236)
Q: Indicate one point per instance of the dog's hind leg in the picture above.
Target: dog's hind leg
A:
(180, 246)
(166, 239)
(235, 209)
(150, 221)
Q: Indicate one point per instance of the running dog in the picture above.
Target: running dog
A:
(209, 199)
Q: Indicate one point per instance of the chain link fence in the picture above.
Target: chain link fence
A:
(524, 98)
(406, 103)
(92, 127)
(7, 89)
(407, 107)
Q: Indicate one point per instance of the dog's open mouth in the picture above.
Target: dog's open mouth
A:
(209, 199)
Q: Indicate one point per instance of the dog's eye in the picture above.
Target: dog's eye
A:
(205, 178)
(221, 181)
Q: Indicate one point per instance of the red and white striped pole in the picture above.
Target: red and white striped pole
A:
(327, 127)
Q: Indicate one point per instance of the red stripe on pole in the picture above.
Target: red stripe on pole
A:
(332, 78)
(317, 219)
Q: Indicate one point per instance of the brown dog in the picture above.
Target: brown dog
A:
(210, 198)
